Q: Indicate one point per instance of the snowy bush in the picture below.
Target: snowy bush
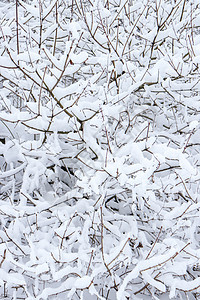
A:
(99, 149)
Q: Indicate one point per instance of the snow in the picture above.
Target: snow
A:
(83, 282)
(80, 58)
(99, 149)
(49, 31)
(193, 124)
(158, 285)
(185, 164)
(187, 285)
(41, 268)
(13, 171)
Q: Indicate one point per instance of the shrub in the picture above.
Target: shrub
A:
(99, 149)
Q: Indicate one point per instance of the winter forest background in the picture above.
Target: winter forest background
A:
(99, 149)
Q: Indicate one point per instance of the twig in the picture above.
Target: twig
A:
(4, 257)
(154, 243)
(102, 248)
(14, 243)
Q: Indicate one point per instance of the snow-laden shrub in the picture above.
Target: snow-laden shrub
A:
(99, 149)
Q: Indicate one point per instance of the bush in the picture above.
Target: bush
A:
(99, 149)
